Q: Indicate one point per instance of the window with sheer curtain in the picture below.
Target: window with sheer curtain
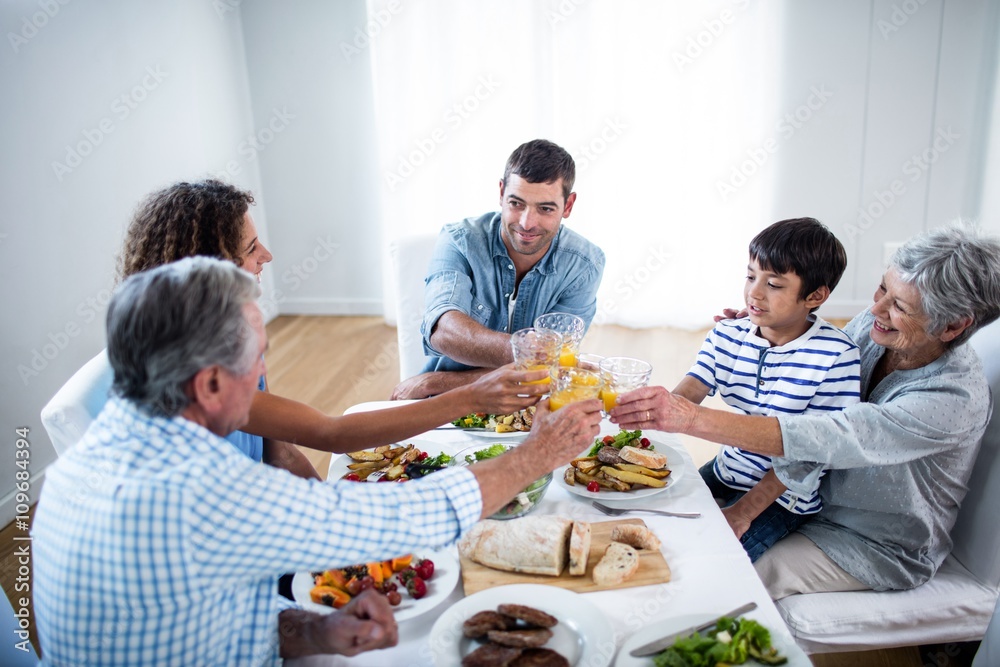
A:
(660, 103)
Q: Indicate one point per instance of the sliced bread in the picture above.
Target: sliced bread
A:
(531, 544)
(636, 536)
(579, 548)
(619, 562)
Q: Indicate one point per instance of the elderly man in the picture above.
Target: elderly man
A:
(158, 543)
(493, 275)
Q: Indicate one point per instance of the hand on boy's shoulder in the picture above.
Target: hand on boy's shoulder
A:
(730, 314)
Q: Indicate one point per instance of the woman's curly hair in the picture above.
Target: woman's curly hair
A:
(184, 220)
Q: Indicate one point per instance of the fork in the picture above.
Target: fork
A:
(616, 511)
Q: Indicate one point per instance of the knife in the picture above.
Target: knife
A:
(659, 645)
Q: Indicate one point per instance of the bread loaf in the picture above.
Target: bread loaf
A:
(619, 562)
(636, 536)
(579, 548)
(643, 457)
(531, 544)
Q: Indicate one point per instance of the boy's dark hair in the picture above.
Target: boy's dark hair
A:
(803, 246)
(541, 161)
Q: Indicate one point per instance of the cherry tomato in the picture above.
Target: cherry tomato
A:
(608, 439)
(352, 477)
(593, 487)
(645, 443)
(422, 456)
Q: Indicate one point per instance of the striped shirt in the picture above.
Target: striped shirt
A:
(158, 543)
(817, 372)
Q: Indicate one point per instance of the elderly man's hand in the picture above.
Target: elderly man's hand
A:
(654, 408)
(505, 390)
(563, 434)
(365, 623)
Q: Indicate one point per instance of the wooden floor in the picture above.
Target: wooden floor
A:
(333, 363)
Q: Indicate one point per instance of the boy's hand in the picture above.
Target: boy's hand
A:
(731, 314)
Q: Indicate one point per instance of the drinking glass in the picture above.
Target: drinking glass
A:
(570, 327)
(570, 385)
(589, 362)
(536, 350)
(620, 375)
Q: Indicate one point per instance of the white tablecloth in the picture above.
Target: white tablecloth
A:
(710, 572)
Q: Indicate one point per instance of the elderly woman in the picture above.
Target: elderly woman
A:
(213, 218)
(900, 460)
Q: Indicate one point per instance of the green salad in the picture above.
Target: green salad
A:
(526, 499)
(622, 438)
(733, 641)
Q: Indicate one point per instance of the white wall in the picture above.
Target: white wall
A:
(322, 195)
(900, 77)
(84, 78)
(989, 207)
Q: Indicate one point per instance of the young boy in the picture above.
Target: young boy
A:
(780, 359)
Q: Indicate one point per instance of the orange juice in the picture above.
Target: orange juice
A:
(567, 357)
(569, 395)
(537, 367)
(610, 398)
(585, 380)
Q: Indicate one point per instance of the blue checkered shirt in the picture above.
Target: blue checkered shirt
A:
(158, 543)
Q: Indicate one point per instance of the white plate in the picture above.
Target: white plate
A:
(583, 635)
(675, 461)
(338, 464)
(440, 586)
(513, 436)
(663, 628)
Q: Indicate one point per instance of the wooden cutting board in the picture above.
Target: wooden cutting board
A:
(653, 569)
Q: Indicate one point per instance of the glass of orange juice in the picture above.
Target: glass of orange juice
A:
(536, 350)
(570, 327)
(622, 374)
(570, 385)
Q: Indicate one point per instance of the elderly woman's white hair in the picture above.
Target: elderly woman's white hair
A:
(956, 269)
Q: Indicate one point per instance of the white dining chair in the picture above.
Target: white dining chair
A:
(409, 258)
(69, 413)
(957, 603)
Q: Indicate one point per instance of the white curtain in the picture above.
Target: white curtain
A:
(665, 106)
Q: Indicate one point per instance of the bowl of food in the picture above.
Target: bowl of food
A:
(523, 502)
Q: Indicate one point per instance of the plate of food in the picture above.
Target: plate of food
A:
(501, 427)
(662, 628)
(313, 591)
(523, 618)
(520, 504)
(404, 460)
(623, 467)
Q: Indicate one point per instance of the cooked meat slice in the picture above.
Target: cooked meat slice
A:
(540, 657)
(479, 624)
(521, 638)
(530, 615)
(491, 655)
(609, 455)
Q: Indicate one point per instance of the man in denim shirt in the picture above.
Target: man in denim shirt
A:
(493, 275)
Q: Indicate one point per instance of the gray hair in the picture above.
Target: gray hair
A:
(168, 323)
(956, 269)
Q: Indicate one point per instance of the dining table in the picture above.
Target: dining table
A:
(710, 573)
